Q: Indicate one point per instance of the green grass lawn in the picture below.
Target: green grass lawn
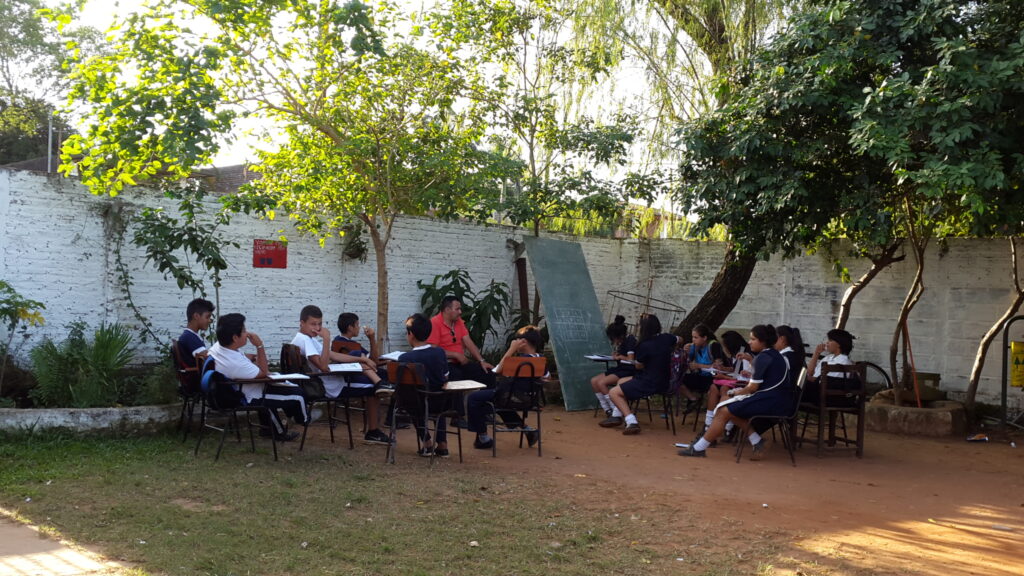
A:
(330, 510)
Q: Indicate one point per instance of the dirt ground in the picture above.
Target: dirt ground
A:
(910, 506)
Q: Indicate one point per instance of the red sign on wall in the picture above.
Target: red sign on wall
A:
(269, 254)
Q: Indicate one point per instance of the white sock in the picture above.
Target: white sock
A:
(616, 413)
(729, 425)
(754, 438)
(709, 417)
(701, 445)
(631, 419)
(604, 401)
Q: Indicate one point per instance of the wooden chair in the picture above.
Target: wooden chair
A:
(188, 387)
(293, 361)
(839, 391)
(413, 399)
(345, 347)
(522, 392)
(220, 398)
(786, 424)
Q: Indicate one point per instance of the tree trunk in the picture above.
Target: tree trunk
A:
(983, 346)
(913, 296)
(725, 291)
(879, 262)
(380, 245)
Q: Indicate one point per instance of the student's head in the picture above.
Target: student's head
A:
(762, 337)
(199, 313)
(840, 341)
(417, 327)
(229, 327)
(532, 337)
(311, 320)
(733, 343)
(701, 334)
(616, 331)
(650, 327)
(789, 336)
(348, 324)
(451, 308)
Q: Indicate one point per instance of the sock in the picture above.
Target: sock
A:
(603, 400)
(709, 417)
(701, 445)
(616, 413)
(631, 419)
(754, 438)
(729, 426)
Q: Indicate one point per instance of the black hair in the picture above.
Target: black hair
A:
(531, 335)
(229, 326)
(793, 338)
(198, 306)
(650, 327)
(705, 332)
(446, 302)
(310, 311)
(843, 338)
(419, 326)
(346, 320)
(765, 333)
(733, 342)
(617, 329)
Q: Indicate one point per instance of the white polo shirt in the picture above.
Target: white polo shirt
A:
(236, 366)
(311, 347)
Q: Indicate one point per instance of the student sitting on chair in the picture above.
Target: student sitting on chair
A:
(319, 355)
(734, 348)
(435, 364)
(527, 342)
(199, 314)
(702, 353)
(654, 366)
(231, 336)
(624, 343)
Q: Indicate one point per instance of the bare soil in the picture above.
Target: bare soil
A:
(909, 506)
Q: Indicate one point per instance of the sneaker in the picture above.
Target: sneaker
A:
(384, 389)
(441, 452)
(758, 450)
(426, 452)
(631, 429)
(485, 445)
(692, 406)
(531, 438)
(608, 413)
(610, 422)
(689, 451)
(287, 436)
(376, 437)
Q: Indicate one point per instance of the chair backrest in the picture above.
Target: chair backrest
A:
(218, 391)
(407, 374)
(344, 347)
(847, 380)
(188, 375)
(523, 367)
(292, 360)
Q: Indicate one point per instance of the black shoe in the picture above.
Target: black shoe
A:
(426, 452)
(441, 452)
(691, 452)
(730, 436)
(459, 423)
(531, 438)
(384, 389)
(631, 429)
(376, 437)
(610, 422)
(692, 406)
(486, 445)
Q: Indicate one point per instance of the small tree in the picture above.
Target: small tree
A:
(15, 310)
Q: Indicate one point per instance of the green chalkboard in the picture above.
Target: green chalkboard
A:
(573, 316)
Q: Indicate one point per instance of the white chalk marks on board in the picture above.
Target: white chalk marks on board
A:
(573, 324)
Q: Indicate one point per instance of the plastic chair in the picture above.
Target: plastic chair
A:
(525, 394)
(833, 398)
(786, 424)
(188, 388)
(413, 399)
(220, 397)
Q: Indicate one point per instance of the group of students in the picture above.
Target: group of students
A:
(740, 378)
(442, 344)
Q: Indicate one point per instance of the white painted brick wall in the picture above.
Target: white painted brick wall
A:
(54, 248)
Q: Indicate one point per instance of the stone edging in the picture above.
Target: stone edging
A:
(103, 421)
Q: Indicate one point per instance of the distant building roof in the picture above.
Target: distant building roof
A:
(224, 180)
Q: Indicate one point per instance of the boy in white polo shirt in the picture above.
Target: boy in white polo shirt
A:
(320, 356)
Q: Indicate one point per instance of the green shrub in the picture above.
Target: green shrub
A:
(79, 373)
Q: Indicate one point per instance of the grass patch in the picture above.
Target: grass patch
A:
(334, 511)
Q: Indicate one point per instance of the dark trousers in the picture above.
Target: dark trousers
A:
(471, 371)
(286, 400)
(477, 409)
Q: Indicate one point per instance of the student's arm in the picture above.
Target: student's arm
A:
(366, 361)
(372, 337)
(468, 343)
(261, 355)
(813, 364)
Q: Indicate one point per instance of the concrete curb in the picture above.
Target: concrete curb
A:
(123, 421)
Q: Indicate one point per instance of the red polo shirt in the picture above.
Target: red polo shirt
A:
(443, 337)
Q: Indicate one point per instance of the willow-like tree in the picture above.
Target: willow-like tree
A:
(361, 125)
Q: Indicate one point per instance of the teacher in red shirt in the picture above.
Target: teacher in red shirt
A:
(449, 333)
